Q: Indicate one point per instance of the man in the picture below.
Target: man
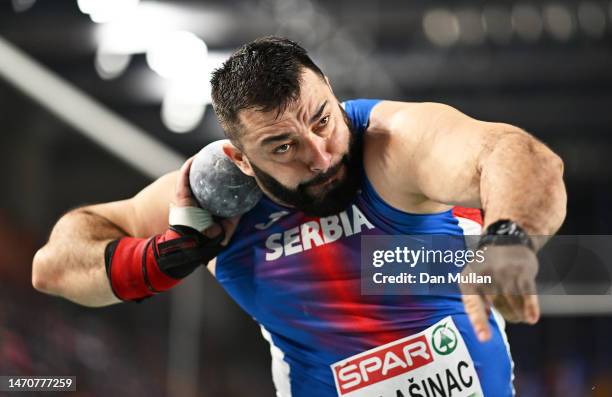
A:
(331, 173)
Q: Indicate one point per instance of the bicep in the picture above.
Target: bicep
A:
(145, 214)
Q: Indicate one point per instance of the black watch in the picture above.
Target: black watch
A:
(505, 232)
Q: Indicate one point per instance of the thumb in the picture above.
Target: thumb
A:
(229, 225)
(476, 309)
(213, 230)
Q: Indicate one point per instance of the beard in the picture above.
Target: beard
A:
(331, 198)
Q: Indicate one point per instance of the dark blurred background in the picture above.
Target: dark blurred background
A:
(544, 66)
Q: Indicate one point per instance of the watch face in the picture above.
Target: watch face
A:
(507, 228)
(506, 232)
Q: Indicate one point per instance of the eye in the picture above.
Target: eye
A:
(282, 149)
(324, 121)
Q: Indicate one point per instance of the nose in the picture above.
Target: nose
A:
(318, 158)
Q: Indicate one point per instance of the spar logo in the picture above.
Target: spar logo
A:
(444, 339)
(386, 362)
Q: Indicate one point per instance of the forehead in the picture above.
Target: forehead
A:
(313, 91)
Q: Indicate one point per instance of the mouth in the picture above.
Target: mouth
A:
(331, 179)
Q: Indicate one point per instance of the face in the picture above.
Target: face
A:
(306, 157)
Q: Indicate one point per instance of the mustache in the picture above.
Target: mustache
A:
(324, 176)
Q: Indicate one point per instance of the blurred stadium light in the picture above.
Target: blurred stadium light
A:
(22, 5)
(140, 29)
(592, 18)
(470, 26)
(181, 57)
(150, 28)
(102, 11)
(110, 65)
(441, 27)
(558, 21)
(527, 21)
(497, 23)
(178, 55)
(184, 104)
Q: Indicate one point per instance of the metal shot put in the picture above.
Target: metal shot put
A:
(219, 186)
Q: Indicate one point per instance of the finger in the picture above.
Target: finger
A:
(468, 288)
(182, 182)
(532, 309)
(512, 302)
(508, 309)
(488, 299)
(519, 294)
(476, 309)
(229, 225)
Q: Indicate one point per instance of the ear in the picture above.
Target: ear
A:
(238, 158)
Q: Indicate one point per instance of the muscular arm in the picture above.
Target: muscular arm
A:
(450, 158)
(71, 264)
(436, 154)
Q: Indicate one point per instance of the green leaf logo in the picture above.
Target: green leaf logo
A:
(444, 339)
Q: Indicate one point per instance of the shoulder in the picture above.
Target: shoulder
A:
(401, 117)
(383, 115)
(403, 130)
(393, 146)
(395, 128)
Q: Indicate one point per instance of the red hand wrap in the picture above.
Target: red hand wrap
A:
(139, 268)
(134, 273)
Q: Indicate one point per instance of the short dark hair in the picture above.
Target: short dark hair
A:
(264, 74)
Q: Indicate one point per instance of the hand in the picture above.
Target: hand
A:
(183, 197)
(513, 269)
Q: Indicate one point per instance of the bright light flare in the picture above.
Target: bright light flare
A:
(441, 27)
(184, 105)
(178, 55)
(102, 11)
